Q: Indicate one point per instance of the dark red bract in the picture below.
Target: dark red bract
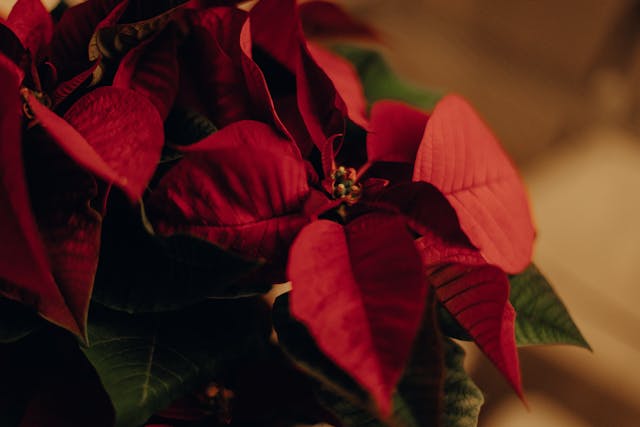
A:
(100, 132)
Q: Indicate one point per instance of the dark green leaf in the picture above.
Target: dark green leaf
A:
(186, 127)
(462, 398)
(145, 362)
(16, 321)
(380, 81)
(416, 402)
(450, 326)
(143, 272)
(541, 317)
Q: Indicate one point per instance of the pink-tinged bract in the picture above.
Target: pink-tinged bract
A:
(462, 158)
(395, 132)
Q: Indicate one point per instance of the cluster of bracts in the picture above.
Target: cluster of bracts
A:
(370, 211)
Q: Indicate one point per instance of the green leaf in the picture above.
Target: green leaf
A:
(186, 127)
(380, 81)
(541, 317)
(145, 362)
(142, 272)
(182, 127)
(417, 400)
(450, 326)
(16, 321)
(462, 398)
(350, 413)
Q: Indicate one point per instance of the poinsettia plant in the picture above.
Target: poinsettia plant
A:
(164, 164)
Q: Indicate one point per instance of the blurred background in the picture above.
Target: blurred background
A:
(559, 82)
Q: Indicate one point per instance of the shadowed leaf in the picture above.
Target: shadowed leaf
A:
(142, 272)
(146, 362)
(462, 398)
(186, 127)
(541, 318)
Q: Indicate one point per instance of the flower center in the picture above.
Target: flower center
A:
(345, 186)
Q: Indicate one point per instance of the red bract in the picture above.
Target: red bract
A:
(473, 290)
(462, 158)
(73, 32)
(32, 25)
(305, 97)
(226, 62)
(71, 40)
(242, 188)
(361, 292)
(114, 133)
(110, 133)
(213, 78)
(23, 260)
(477, 296)
(395, 128)
(345, 81)
(151, 69)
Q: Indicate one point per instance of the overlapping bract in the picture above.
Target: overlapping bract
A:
(113, 134)
(441, 204)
